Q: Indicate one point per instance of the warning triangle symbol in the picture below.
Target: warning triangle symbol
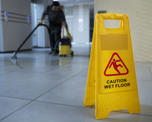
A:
(116, 66)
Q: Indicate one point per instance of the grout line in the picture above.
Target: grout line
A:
(76, 106)
(19, 98)
(37, 97)
(149, 69)
(49, 102)
(15, 111)
(65, 80)
(141, 80)
(137, 114)
(141, 114)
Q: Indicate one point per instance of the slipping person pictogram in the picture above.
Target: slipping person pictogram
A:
(119, 67)
(115, 65)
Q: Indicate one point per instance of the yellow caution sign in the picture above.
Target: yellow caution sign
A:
(111, 83)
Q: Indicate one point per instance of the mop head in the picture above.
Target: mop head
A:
(14, 58)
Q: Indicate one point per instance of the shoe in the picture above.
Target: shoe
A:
(55, 54)
(51, 52)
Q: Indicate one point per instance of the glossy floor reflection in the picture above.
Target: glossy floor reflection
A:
(45, 88)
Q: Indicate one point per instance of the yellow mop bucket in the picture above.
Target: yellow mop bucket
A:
(65, 47)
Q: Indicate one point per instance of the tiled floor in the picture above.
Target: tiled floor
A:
(45, 88)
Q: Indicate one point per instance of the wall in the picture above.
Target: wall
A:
(77, 17)
(16, 26)
(33, 24)
(40, 38)
(1, 36)
(143, 30)
(139, 12)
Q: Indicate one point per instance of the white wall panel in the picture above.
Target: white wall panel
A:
(78, 20)
(140, 16)
(1, 35)
(17, 27)
(143, 30)
(40, 37)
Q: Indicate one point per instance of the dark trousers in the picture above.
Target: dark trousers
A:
(55, 38)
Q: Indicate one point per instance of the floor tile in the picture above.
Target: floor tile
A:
(70, 93)
(9, 105)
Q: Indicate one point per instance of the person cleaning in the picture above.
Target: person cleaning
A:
(57, 20)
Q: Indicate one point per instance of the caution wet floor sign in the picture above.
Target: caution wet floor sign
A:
(111, 83)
